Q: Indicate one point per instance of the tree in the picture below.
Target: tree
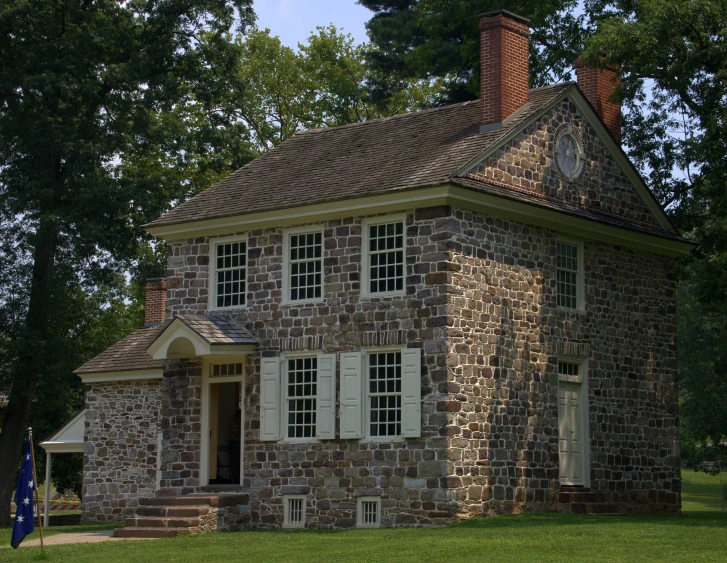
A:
(438, 41)
(673, 63)
(84, 86)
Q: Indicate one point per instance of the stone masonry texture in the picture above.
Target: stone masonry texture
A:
(480, 304)
(120, 449)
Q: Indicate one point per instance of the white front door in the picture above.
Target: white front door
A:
(571, 436)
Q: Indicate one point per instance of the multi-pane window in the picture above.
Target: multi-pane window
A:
(302, 389)
(568, 369)
(221, 370)
(384, 393)
(567, 274)
(306, 266)
(230, 265)
(386, 257)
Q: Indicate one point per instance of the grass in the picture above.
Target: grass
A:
(701, 492)
(700, 534)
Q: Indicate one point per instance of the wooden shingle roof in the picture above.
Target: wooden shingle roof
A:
(375, 157)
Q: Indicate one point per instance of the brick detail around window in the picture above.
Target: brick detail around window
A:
(155, 300)
(504, 67)
(597, 85)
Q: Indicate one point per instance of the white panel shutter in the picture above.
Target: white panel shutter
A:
(269, 399)
(351, 384)
(411, 393)
(326, 397)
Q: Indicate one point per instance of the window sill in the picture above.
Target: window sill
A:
(236, 308)
(562, 309)
(388, 294)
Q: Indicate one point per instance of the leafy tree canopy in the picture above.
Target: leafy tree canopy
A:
(106, 116)
(438, 40)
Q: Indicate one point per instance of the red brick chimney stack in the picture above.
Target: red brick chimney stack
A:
(156, 301)
(597, 85)
(504, 66)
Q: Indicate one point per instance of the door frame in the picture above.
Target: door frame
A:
(207, 381)
(583, 420)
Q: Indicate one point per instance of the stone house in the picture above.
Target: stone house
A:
(459, 311)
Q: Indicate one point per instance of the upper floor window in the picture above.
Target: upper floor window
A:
(230, 273)
(305, 266)
(384, 257)
(569, 274)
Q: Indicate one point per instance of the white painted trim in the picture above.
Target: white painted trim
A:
(445, 194)
(286, 511)
(159, 349)
(366, 409)
(359, 511)
(366, 255)
(285, 299)
(584, 422)
(208, 380)
(212, 272)
(129, 375)
(284, 357)
(580, 275)
(62, 447)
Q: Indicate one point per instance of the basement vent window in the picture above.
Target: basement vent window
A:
(368, 512)
(294, 511)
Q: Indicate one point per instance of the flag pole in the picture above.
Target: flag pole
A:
(35, 480)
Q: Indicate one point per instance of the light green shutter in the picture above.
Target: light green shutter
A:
(269, 399)
(326, 397)
(411, 393)
(351, 384)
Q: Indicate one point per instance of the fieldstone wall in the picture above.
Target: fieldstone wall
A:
(527, 163)
(506, 334)
(480, 302)
(120, 450)
(181, 427)
(410, 475)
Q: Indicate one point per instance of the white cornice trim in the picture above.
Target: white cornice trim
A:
(126, 375)
(62, 447)
(447, 194)
(594, 121)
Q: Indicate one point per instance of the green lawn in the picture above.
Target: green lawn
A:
(696, 535)
(700, 491)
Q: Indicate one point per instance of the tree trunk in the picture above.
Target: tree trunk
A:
(31, 357)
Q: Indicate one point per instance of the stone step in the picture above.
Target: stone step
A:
(227, 499)
(172, 511)
(162, 522)
(189, 500)
(593, 508)
(574, 489)
(149, 532)
(581, 497)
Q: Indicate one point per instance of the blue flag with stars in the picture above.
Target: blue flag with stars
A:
(24, 523)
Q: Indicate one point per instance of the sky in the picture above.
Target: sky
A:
(293, 20)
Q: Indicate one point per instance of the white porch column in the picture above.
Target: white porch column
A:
(46, 507)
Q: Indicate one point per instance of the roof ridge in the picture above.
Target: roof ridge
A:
(386, 118)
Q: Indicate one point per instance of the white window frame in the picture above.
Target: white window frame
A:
(367, 396)
(580, 301)
(286, 511)
(286, 300)
(284, 396)
(366, 255)
(582, 380)
(360, 512)
(212, 279)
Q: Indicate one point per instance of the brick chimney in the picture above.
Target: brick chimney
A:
(504, 66)
(156, 301)
(597, 85)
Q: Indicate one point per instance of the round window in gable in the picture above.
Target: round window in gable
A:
(569, 153)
